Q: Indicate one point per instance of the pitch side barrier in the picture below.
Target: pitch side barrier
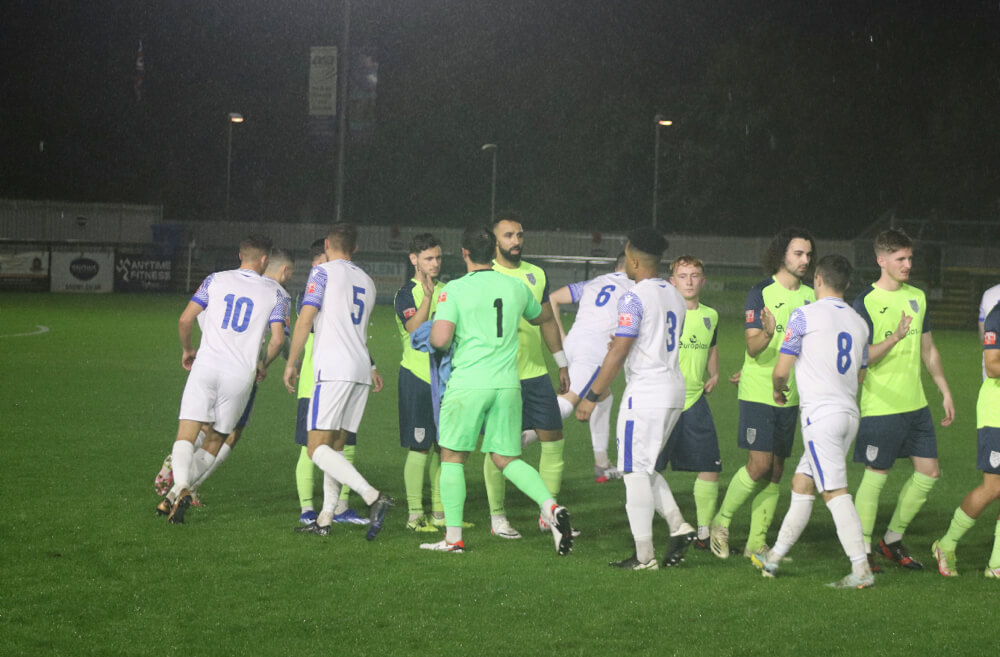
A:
(84, 267)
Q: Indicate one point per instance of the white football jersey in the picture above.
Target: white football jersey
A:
(597, 314)
(345, 296)
(652, 312)
(240, 305)
(830, 340)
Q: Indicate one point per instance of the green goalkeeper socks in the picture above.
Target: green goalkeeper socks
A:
(453, 493)
(527, 480)
(496, 486)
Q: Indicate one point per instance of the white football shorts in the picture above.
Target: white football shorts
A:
(641, 434)
(337, 405)
(213, 396)
(827, 447)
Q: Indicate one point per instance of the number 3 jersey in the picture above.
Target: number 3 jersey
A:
(652, 312)
(344, 295)
(597, 316)
(239, 306)
(830, 341)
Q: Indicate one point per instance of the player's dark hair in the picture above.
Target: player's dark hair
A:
(422, 242)
(835, 270)
(776, 250)
(649, 241)
(507, 215)
(316, 249)
(892, 240)
(255, 242)
(343, 237)
(480, 242)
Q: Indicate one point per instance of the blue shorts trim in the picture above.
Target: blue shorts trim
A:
(302, 425)
(765, 428)
(988, 450)
(629, 428)
(693, 445)
(416, 412)
(539, 407)
(884, 438)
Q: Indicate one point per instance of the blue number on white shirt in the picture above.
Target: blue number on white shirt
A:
(844, 343)
(671, 330)
(359, 302)
(235, 311)
(604, 295)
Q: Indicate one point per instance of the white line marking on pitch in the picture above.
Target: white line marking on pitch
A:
(39, 330)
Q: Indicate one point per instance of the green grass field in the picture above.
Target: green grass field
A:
(89, 411)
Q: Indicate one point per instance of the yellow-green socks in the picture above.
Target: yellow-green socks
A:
(551, 465)
(413, 480)
(435, 475)
(305, 479)
(995, 556)
(528, 481)
(960, 523)
(706, 494)
(345, 491)
(453, 493)
(866, 502)
(762, 509)
(911, 498)
(496, 486)
(740, 488)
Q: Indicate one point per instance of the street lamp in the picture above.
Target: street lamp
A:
(658, 120)
(493, 187)
(234, 117)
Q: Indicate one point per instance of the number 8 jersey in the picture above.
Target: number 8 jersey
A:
(830, 341)
(344, 295)
(652, 312)
(239, 306)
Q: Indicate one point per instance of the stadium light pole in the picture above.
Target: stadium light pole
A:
(234, 117)
(658, 120)
(493, 186)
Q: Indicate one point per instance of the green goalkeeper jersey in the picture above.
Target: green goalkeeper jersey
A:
(697, 337)
(530, 359)
(893, 384)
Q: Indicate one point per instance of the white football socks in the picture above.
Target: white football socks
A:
(664, 502)
(181, 456)
(849, 531)
(337, 466)
(793, 525)
(639, 508)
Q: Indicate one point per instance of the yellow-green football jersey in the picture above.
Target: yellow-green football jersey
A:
(530, 359)
(697, 337)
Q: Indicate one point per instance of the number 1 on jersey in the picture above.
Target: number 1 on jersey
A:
(498, 304)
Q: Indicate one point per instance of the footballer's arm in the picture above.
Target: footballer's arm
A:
(991, 358)
(758, 338)
(779, 378)
(563, 296)
(553, 339)
(303, 327)
(442, 331)
(273, 348)
(932, 361)
(618, 351)
(185, 330)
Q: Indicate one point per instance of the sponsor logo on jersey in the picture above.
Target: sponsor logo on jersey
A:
(442, 297)
(884, 308)
(750, 316)
(779, 305)
(409, 312)
(871, 453)
(914, 306)
(708, 323)
(531, 278)
(990, 338)
(751, 435)
(624, 319)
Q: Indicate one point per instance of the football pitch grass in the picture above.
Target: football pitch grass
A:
(89, 410)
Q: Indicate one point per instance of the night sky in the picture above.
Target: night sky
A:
(829, 116)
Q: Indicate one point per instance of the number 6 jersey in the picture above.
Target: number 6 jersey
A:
(344, 295)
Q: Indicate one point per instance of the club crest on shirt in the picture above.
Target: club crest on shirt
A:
(311, 287)
(624, 319)
(531, 278)
(789, 332)
(419, 433)
(708, 323)
(914, 306)
(750, 315)
(409, 312)
(990, 338)
(442, 297)
(871, 453)
(751, 435)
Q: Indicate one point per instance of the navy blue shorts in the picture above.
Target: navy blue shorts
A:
(693, 445)
(539, 408)
(416, 412)
(245, 418)
(766, 428)
(884, 438)
(302, 425)
(988, 459)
